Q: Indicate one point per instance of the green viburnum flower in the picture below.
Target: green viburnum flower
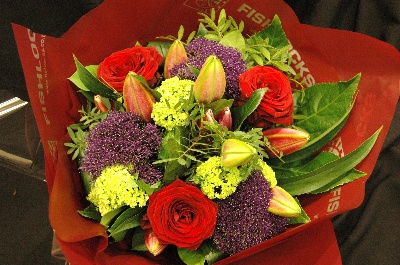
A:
(268, 172)
(116, 187)
(167, 112)
(217, 181)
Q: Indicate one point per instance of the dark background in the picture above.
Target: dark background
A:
(369, 234)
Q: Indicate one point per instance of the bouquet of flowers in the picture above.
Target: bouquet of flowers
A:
(201, 146)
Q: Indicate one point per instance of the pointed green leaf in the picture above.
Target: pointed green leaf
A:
(93, 84)
(329, 173)
(240, 114)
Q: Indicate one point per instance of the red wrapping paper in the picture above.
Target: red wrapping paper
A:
(320, 55)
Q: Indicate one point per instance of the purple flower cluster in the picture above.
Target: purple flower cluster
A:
(243, 219)
(199, 49)
(123, 138)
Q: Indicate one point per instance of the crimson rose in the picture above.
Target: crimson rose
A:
(182, 215)
(143, 61)
(276, 107)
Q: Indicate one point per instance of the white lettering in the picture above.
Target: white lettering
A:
(39, 72)
(334, 202)
(253, 15)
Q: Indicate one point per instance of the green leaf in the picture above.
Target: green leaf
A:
(288, 171)
(93, 84)
(333, 172)
(161, 46)
(218, 105)
(275, 33)
(234, 39)
(325, 105)
(130, 218)
(210, 251)
(240, 114)
(180, 32)
(347, 177)
(191, 257)
(91, 212)
(309, 150)
(110, 216)
(138, 240)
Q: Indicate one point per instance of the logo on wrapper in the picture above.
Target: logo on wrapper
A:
(205, 6)
(335, 146)
(53, 149)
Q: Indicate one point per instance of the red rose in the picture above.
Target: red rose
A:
(276, 107)
(143, 61)
(182, 215)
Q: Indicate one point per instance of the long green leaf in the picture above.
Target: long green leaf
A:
(331, 172)
(130, 218)
(240, 114)
(93, 84)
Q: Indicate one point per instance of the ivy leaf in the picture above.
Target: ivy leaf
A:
(333, 172)
(240, 113)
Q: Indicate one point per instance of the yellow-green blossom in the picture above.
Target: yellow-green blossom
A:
(167, 112)
(217, 181)
(268, 172)
(116, 187)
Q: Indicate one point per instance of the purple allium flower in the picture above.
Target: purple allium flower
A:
(199, 49)
(122, 138)
(243, 219)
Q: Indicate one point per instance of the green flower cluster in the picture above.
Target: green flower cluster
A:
(116, 187)
(215, 180)
(168, 112)
(268, 172)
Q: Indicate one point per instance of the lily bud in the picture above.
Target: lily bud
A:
(137, 97)
(236, 153)
(98, 102)
(285, 140)
(224, 117)
(211, 82)
(208, 116)
(176, 55)
(153, 245)
(283, 204)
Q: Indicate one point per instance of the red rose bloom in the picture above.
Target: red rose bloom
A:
(276, 107)
(143, 61)
(182, 215)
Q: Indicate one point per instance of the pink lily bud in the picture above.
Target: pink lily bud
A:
(153, 245)
(211, 82)
(285, 140)
(98, 102)
(236, 153)
(224, 117)
(176, 55)
(137, 97)
(208, 116)
(283, 204)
